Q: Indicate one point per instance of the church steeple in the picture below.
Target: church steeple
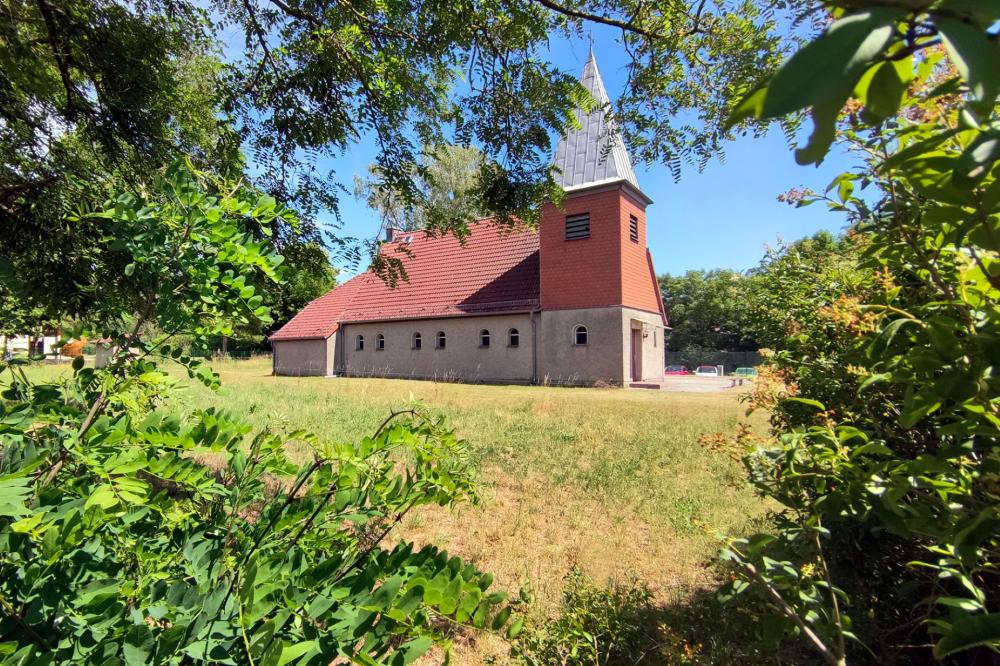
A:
(594, 154)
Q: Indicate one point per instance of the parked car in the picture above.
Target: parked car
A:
(707, 371)
(676, 370)
(745, 372)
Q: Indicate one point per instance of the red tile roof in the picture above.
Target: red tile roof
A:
(495, 270)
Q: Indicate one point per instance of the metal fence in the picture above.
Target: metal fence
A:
(729, 360)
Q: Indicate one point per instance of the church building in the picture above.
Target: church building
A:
(574, 302)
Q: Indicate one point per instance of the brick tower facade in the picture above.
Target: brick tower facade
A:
(594, 266)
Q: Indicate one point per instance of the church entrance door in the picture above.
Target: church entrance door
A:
(636, 354)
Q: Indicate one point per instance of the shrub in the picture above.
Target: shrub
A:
(885, 457)
(614, 625)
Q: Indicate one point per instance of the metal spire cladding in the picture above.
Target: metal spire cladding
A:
(595, 153)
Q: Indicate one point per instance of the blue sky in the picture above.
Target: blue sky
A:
(720, 218)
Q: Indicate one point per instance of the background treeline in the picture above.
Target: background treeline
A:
(744, 311)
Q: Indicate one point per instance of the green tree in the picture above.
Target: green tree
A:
(789, 302)
(448, 185)
(791, 279)
(97, 98)
(98, 95)
(706, 310)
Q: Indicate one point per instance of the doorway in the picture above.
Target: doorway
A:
(636, 354)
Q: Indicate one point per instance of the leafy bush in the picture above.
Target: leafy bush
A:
(885, 458)
(610, 625)
(128, 534)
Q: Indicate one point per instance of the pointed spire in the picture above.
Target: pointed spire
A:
(594, 153)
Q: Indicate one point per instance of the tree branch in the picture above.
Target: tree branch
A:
(9, 191)
(52, 32)
(627, 26)
(791, 614)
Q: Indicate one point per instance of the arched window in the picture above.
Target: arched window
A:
(484, 338)
(580, 335)
(513, 338)
(440, 340)
(417, 341)
(379, 342)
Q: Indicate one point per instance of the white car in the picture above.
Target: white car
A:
(707, 371)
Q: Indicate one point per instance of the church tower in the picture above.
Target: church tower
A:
(595, 268)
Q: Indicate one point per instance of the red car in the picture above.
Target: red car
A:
(676, 370)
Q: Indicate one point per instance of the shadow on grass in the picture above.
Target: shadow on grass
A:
(620, 625)
(722, 633)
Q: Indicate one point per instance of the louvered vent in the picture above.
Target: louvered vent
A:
(633, 228)
(578, 226)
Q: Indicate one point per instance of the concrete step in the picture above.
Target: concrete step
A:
(644, 385)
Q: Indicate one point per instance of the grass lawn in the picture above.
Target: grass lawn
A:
(611, 480)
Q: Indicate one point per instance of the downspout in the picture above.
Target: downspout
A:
(534, 346)
(340, 349)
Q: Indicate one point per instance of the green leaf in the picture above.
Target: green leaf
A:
(759, 542)
(501, 619)
(824, 117)
(807, 401)
(968, 605)
(13, 493)
(386, 592)
(968, 539)
(138, 646)
(292, 652)
(750, 107)
(917, 405)
(886, 88)
(450, 596)
(412, 650)
(977, 159)
(825, 71)
(974, 55)
(877, 378)
(845, 190)
(515, 628)
(103, 496)
(968, 632)
(884, 339)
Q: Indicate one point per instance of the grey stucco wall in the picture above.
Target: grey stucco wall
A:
(560, 361)
(461, 359)
(605, 358)
(301, 357)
